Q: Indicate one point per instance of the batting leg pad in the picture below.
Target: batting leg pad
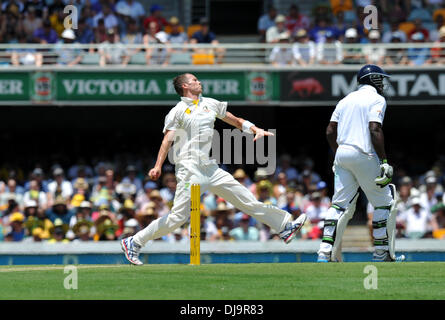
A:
(391, 223)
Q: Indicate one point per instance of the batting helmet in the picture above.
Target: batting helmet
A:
(372, 75)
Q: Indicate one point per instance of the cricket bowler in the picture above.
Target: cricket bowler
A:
(192, 120)
(355, 135)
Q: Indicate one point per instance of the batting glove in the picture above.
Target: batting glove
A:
(386, 174)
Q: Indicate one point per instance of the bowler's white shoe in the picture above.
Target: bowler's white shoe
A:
(131, 250)
(292, 228)
(384, 256)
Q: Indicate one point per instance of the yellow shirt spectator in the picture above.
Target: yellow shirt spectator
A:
(341, 5)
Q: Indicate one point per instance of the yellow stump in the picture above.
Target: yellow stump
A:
(195, 225)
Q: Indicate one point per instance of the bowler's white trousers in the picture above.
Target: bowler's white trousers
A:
(210, 177)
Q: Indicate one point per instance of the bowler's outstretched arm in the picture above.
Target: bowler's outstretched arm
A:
(240, 123)
(167, 141)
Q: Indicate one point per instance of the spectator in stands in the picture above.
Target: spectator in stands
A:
(131, 8)
(159, 204)
(112, 51)
(146, 215)
(331, 51)
(316, 213)
(100, 32)
(418, 27)
(176, 36)
(341, 6)
(352, 55)
(132, 177)
(11, 193)
(303, 50)
(274, 33)
(31, 22)
(421, 13)
(16, 227)
(291, 204)
(45, 34)
(282, 56)
(296, 20)
(438, 53)
(438, 212)
(418, 56)
(427, 197)
(266, 21)
(417, 221)
(11, 25)
(394, 29)
(205, 35)
(245, 232)
(318, 32)
(265, 192)
(280, 189)
(81, 231)
(110, 19)
(155, 16)
(84, 34)
(160, 55)
(68, 56)
(59, 210)
(13, 6)
(132, 37)
(396, 56)
(56, 5)
(25, 56)
(57, 21)
(58, 232)
(374, 54)
(34, 193)
(340, 25)
(169, 188)
(59, 186)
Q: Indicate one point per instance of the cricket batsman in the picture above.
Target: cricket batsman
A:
(192, 120)
(355, 135)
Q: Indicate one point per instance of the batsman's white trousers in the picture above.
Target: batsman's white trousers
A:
(210, 177)
(353, 168)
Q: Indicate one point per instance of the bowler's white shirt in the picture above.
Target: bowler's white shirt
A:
(193, 125)
(353, 114)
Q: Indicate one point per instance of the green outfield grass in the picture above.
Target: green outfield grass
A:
(280, 281)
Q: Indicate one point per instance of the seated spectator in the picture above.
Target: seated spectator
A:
(205, 35)
(84, 34)
(326, 54)
(155, 16)
(132, 177)
(427, 197)
(155, 56)
(418, 27)
(438, 53)
(112, 51)
(59, 187)
(296, 20)
(282, 56)
(266, 21)
(34, 193)
(57, 21)
(176, 36)
(340, 25)
(417, 221)
(68, 56)
(81, 231)
(16, 230)
(143, 196)
(418, 56)
(316, 213)
(374, 54)
(438, 212)
(82, 213)
(394, 29)
(36, 218)
(40, 8)
(398, 9)
(25, 56)
(58, 232)
(169, 188)
(274, 33)
(434, 33)
(291, 204)
(59, 210)
(265, 192)
(245, 232)
(146, 215)
(106, 228)
(352, 55)
(159, 205)
(280, 189)
(100, 32)
(223, 222)
(45, 34)
(110, 20)
(285, 165)
(318, 32)
(396, 56)
(303, 50)
(131, 8)
(31, 22)
(11, 193)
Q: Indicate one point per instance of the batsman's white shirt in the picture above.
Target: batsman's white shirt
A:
(353, 114)
(193, 123)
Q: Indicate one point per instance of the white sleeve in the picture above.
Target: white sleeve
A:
(335, 115)
(220, 107)
(377, 111)
(171, 120)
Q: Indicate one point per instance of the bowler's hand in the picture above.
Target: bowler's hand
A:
(154, 173)
(259, 133)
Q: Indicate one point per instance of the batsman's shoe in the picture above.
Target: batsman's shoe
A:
(131, 250)
(385, 257)
(322, 257)
(292, 228)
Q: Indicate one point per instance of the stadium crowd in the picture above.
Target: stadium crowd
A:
(114, 24)
(95, 203)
